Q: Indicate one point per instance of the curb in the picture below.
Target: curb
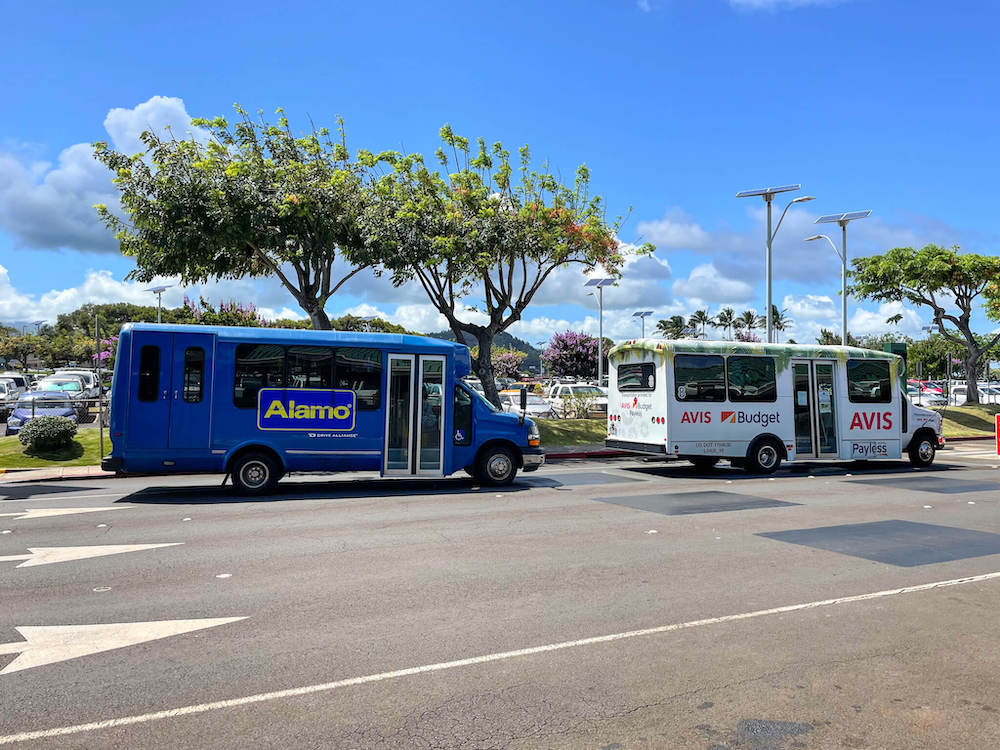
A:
(968, 439)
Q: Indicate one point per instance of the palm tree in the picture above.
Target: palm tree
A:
(749, 319)
(780, 320)
(726, 319)
(700, 318)
(672, 328)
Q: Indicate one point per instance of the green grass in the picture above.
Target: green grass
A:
(969, 421)
(83, 451)
(572, 431)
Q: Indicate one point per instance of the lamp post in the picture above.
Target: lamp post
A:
(600, 284)
(768, 195)
(38, 325)
(641, 315)
(158, 291)
(843, 220)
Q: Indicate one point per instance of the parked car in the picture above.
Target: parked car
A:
(536, 407)
(91, 387)
(8, 396)
(19, 379)
(40, 404)
(72, 386)
(559, 397)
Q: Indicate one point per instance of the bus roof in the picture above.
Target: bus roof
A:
(784, 351)
(308, 336)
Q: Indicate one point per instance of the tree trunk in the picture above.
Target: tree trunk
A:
(320, 320)
(483, 366)
(971, 378)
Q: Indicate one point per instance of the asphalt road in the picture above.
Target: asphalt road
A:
(592, 605)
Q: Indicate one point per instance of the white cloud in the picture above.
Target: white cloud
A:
(675, 230)
(706, 284)
(810, 307)
(866, 322)
(50, 206)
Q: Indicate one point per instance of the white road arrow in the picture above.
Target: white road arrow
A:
(50, 644)
(49, 555)
(49, 512)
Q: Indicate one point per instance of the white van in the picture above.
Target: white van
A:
(759, 404)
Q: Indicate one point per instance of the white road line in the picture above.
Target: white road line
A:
(440, 666)
(55, 496)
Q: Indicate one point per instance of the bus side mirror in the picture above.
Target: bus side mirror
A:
(524, 404)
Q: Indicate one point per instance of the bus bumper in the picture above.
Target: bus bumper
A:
(532, 458)
(112, 463)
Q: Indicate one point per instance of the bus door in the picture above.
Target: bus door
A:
(415, 416)
(191, 390)
(149, 390)
(815, 409)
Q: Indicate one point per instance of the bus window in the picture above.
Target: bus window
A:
(751, 379)
(257, 366)
(149, 373)
(637, 377)
(194, 374)
(868, 381)
(309, 367)
(360, 370)
(699, 377)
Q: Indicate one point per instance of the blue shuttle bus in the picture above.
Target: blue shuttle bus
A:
(257, 403)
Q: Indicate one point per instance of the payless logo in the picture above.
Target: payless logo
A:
(305, 409)
(874, 421)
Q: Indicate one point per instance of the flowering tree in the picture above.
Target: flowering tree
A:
(573, 354)
(229, 313)
(105, 357)
(506, 361)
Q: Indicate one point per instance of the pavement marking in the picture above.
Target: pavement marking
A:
(48, 644)
(52, 496)
(440, 666)
(49, 555)
(50, 512)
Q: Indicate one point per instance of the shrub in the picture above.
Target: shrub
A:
(46, 433)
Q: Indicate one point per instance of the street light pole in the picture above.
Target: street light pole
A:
(641, 315)
(843, 220)
(158, 291)
(768, 195)
(600, 284)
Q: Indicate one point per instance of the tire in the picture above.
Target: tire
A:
(704, 463)
(764, 456)
(255, 474)
(922, 451)
(496, 466)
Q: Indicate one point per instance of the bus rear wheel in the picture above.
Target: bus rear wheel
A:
(496, 466)
(764, 457)
(255, 474)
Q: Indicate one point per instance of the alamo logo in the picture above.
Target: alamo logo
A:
(306, 409)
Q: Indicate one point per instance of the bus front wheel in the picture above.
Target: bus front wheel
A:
(764, 457)
(497, 466)
(922, 451)
(255, 474)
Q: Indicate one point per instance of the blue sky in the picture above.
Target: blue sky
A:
(675, 105)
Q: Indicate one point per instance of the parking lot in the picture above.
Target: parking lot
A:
(613, 604)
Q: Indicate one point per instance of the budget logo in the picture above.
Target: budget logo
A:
(305, 409)
(729, 416)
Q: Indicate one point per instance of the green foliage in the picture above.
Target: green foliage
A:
(245, 200)
(47, 433)
(937, 278)
(485, 229)
(673, 328)
(19, 347)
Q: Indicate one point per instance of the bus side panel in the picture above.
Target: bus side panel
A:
(869, 431)
(726, 429)
(358, 449)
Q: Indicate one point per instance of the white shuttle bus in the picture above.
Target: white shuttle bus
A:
(759, 404)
